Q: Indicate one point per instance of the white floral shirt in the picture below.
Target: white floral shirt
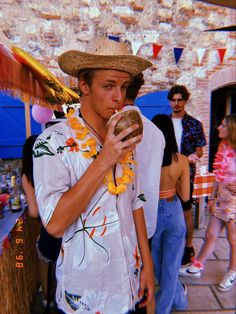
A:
(149, 155)
(98, 269)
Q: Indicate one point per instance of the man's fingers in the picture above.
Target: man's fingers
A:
(111, 124)
(144, 298)
(150, 294)
(126, 132)
(131, 142)
(141, 293)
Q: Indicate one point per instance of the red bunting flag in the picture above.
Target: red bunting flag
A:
(221, 52)
(156, 50)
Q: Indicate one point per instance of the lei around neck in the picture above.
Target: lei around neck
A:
(84, 142)
(223, 158)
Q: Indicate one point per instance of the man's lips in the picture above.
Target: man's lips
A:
(115, 109)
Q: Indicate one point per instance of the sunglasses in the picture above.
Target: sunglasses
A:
(177, 100)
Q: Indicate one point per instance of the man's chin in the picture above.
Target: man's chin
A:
(176, 110)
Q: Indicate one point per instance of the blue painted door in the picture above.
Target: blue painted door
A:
(154, 103)
(12, 120)
(12, 127)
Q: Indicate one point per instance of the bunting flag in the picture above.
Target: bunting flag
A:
(136, 45)
(113, 37)
(200, 54)
(221, 52)
(178, 53)
(156, 49)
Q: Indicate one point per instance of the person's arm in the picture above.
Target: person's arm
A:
(30, 197)
(146, 289)
(194, 157)
(200, 141)
(199, 151)
(183, 187)
(212, 198)
(75, 200)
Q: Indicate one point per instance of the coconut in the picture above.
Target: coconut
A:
(129, 118)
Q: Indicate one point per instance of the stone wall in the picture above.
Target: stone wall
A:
(48, 28)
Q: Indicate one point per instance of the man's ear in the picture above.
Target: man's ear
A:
(83, 86)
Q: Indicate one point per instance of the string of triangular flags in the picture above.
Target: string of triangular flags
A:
(177, 51)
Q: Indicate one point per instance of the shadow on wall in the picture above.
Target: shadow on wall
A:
(154, 103)
(223, 102)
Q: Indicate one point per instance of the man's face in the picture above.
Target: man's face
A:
(107, 92)
(178, 103)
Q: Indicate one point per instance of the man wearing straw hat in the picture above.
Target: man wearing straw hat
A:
(88, 193)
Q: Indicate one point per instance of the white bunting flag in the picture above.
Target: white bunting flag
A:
(136, 45)
(200, 54)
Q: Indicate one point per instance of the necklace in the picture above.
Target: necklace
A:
(89, 125)
(88, 146)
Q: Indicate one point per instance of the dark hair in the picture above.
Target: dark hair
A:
(27, 158)
(164, 123)
(87, 76)
(134, 87)
(178, 89)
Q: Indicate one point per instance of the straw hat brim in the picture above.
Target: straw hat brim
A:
(73, 61)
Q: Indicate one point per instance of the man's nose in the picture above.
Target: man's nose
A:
(118, 94)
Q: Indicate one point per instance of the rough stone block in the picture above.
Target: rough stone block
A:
(226, 299)
(201, 298)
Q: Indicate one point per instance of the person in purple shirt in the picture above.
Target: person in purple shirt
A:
(190, 138)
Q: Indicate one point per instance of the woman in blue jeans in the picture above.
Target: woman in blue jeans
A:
(169, 237)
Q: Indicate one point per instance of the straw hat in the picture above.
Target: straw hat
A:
(102, 53)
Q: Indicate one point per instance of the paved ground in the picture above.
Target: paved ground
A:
(203, 296)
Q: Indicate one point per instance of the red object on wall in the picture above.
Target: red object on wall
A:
(156, 50)
(221, 52)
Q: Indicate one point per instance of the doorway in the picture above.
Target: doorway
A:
(223, 102)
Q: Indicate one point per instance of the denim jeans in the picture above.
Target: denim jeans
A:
(167, 250)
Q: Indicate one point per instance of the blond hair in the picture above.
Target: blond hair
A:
(231, 127)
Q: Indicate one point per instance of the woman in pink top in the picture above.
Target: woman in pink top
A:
(222, 205)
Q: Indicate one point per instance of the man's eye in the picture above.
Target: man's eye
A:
(108, 86)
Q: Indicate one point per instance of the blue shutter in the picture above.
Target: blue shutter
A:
(12, 127)
(154, 103)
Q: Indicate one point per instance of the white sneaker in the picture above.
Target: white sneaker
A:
(228, 281)
(190, 271)
(194, 270)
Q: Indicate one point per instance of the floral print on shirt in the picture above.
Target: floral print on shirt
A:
(101, 244)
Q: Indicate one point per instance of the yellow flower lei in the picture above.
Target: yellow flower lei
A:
(90, 145)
